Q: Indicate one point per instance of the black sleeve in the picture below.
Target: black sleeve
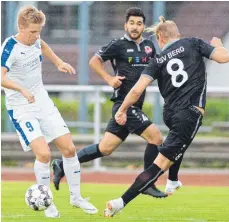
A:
(109, 51)
(152, 69)
(154, 51)
(204, 48)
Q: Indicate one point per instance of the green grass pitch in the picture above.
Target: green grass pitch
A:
(189, 204)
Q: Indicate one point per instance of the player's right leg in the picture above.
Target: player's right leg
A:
(31, 137)
(184, 129)
(173, 183)
(42, 170)
(172, 186)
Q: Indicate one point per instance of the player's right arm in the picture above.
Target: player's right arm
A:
(149, 74)
(220, 54)
(8, 58)
(107, 52)
(9, 84)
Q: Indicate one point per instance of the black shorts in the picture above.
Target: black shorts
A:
(136, 123)
(183, 126)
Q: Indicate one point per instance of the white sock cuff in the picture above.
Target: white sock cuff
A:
(121, 202)
(171, 181)
(42, 172)
(71, 160)
(43, 166)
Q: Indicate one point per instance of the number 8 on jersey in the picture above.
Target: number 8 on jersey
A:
(176, 73)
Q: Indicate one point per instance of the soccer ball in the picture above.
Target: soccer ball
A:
(38, 197)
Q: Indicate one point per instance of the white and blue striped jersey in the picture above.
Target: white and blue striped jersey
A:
(23, 63)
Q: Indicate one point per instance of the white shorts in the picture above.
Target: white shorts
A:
(36, 120)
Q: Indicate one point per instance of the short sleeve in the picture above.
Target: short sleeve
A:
(204, 48)
(109, 51)
(7, 55)
(151, 70)
(38, 43)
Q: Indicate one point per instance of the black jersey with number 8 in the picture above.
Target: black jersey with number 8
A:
(181, 74)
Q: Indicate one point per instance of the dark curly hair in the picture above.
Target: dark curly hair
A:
(134, 11)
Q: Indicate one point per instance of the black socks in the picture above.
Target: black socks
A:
(142, 182)
(89, 153)
(150, 155)
(173, 170)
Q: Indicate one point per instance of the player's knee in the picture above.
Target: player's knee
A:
(106, 151)
(107, 146)
(156, 139)
(163, 162)
(69, 151)
(44, 157)
(159, 139)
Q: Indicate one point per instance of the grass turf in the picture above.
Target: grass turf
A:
(192, 204)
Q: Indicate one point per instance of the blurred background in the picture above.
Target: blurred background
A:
(75, 31)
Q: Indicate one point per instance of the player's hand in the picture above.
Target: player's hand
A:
(28, 95)
(65, 67)
(115, 81)
(216, 42)
(121, 117)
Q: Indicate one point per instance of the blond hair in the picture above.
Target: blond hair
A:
(30, 14)
(167, 28)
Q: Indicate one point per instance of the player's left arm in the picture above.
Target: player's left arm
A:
(220, 54)
(214, 51)
(60, 64)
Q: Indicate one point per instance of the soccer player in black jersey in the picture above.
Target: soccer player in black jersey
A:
(129, 55)
(181, 75)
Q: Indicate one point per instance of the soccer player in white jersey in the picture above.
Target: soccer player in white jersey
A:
(34, 115)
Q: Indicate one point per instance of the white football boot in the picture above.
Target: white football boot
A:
(172, 186)
(113, 207)
(86, 206)
(52, 211)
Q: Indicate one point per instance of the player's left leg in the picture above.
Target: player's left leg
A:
(113, 137)
(140, 124)
(55, 129)
(72, 171)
